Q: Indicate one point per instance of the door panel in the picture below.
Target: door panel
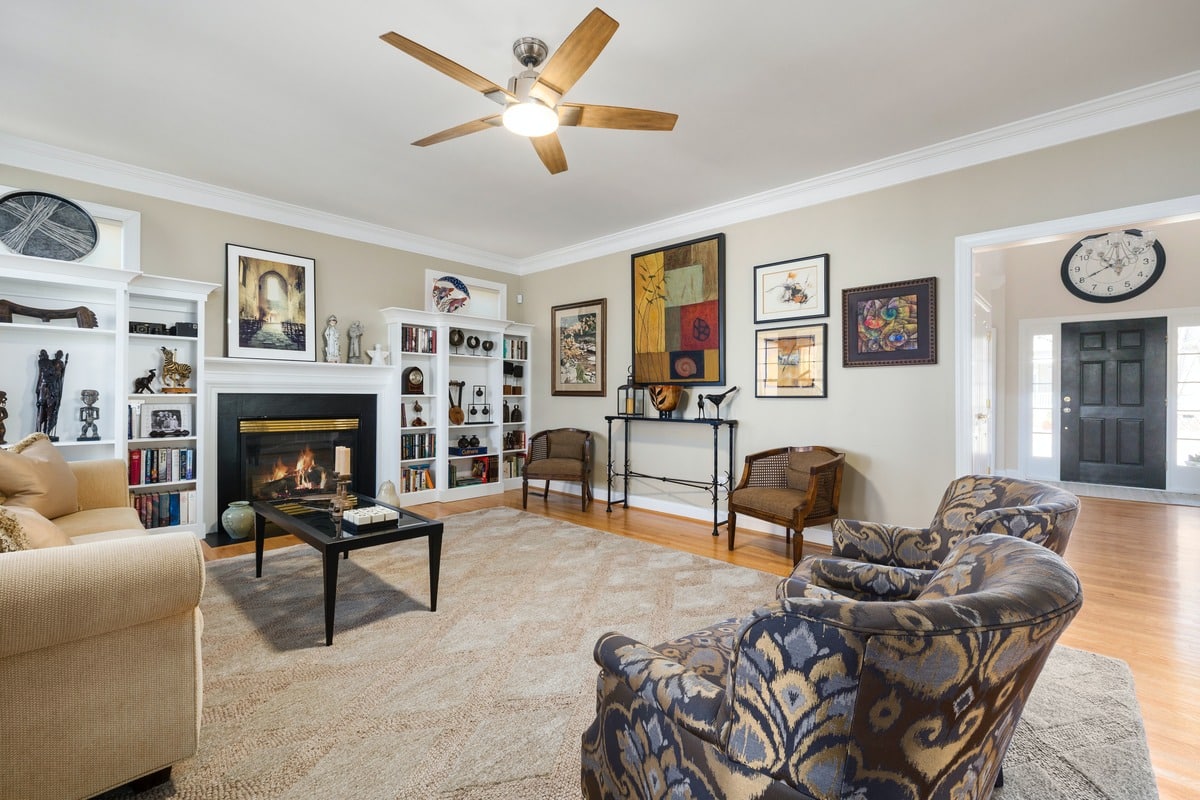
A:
(1114, 413)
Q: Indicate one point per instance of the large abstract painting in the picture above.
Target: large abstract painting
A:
(890, 324)
(679, 313)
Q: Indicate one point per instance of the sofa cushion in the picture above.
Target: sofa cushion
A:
(12, 533)
(566, 444)
(33, 474)
(39, 531)
(98, 520)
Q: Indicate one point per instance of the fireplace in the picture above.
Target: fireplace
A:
(281, 446)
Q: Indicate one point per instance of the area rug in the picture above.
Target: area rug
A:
(487, 696)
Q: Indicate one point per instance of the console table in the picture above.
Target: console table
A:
(713, 485)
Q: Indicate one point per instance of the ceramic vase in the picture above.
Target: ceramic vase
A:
(238, 519)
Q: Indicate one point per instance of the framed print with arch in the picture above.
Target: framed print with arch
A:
(269, 305)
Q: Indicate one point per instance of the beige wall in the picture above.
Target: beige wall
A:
(895, 423)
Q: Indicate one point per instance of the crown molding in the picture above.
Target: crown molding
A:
(1155, 101)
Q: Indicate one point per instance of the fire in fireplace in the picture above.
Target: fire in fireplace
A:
(289, 458)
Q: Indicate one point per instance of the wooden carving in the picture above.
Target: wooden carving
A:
(84, 316)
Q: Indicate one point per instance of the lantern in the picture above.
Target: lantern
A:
(631, 398)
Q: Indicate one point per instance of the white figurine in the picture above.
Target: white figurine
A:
(333, 353)
(378, 354)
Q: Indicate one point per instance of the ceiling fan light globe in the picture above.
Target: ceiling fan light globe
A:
(530, 118)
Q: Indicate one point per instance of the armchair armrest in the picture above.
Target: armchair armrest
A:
(63, 594)
(1048, 524)
(103, 483)
(819, 576)
(689, 699)
(880, 543)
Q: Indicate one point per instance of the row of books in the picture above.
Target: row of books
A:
(517, 349)
(514, 465)
(418, 340)
(416, 478)
(417, 445)
(163, 509)
(162, 465)
(482, 470)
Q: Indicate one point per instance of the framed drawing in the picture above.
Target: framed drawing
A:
(679, 313)
(890, 324)
(790, 362)
(166, 420)
(795, 289)
(578, 332)
(269, 303)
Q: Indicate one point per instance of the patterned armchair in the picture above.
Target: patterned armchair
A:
(825, 697)
(971, 505)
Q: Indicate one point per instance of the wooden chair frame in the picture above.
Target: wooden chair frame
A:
(539, 450)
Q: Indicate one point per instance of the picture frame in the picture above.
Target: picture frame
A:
(890, 324)
(161, 419)
(791, 361)
(270, 305)
(578, 333)
(797, 288)
(678, 302)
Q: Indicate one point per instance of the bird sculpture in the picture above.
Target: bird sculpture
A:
(716, 400)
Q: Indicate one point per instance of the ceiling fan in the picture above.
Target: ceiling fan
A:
(533, 99)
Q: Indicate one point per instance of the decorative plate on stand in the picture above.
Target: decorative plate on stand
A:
(47, 226)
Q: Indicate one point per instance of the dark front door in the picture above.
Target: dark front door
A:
(1114, 402)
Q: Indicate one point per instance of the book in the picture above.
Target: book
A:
(135, 467)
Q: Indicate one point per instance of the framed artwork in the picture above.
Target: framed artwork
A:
(795, 289)
(270, 305)
(578, 332)
(790, 362)
(890, 324)
(679, 313)
(166, 420)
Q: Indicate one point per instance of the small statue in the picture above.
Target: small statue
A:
(378, 354)
(49, 391)
(142, 384)
(333, 352)
(355, 334)
(716, 400)
(3, 415)
(88, 415)
(174, 372)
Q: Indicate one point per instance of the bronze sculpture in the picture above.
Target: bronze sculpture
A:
(49, 391)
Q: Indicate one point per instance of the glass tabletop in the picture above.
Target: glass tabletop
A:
(316, 514)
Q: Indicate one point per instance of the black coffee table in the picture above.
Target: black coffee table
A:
(315, 525)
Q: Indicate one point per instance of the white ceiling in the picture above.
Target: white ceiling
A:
(300, 104)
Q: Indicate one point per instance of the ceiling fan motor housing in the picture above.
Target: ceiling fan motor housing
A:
(530, 51)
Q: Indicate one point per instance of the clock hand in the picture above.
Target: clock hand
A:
(1097, 272)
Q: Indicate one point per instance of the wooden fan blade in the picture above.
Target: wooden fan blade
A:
(448, 67)
(629, 119)
(573, 57)
(474, 126)
(549, 150)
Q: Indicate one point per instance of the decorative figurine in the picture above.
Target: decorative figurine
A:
(355, 334)
(716, 400)
(49, 391)
(378, 354)
(143, 384)
(174, 372)
(333, 352)
(3, 415)
(88, 416)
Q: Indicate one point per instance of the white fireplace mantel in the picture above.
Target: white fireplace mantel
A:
(241, 375)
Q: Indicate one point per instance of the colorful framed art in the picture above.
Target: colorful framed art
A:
(679, 313)
(890, 324)
(793, 289)
(791, 362)
(269, 304)
(578, 332)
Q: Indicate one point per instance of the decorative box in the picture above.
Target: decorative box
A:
(370, 518)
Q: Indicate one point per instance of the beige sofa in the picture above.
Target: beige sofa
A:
(100, 669)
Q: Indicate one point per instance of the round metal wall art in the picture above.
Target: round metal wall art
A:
(46, 226)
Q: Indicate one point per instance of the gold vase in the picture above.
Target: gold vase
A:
(664, 397)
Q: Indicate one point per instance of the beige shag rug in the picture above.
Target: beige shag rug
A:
(487, 697)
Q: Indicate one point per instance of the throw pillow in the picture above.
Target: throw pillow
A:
(33, 474)
(12, 533)
(39, 531)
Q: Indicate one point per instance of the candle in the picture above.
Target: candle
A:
(341, 460)
(628, 405)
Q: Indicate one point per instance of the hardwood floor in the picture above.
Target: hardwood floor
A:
(1139, 564)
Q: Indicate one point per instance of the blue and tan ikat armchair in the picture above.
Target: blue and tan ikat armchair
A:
(971, 504)
(827, 697)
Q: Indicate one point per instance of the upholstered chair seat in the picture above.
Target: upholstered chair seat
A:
(561, 454)
(821, 696)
